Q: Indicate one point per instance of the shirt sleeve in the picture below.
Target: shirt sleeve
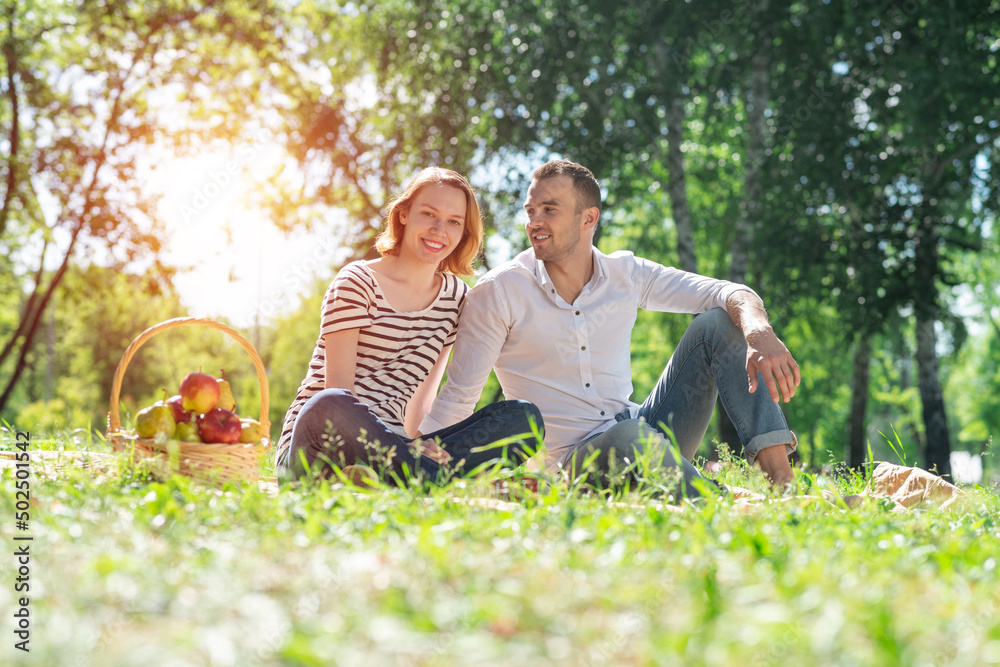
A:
(348, 303)
(671, 290)
(482, 331)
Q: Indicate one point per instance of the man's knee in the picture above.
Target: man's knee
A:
(636, 441)
(627, 449)
(711, 319)
(634, 434)
(626, 441)
(718, 327)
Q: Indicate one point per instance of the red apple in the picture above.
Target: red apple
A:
(181, 415)
(199, 392)
(221, 426)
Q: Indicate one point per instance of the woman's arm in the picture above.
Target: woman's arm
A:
(341, 358)
(423, 396)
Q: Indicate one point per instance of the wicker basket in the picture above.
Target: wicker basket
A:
(205, 461)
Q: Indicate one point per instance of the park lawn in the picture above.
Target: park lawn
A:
(128, 571)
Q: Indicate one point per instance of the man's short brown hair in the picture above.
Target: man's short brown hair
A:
(585, 185)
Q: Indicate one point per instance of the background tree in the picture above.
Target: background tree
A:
(837, 158)
(81, 87)
(909, 197)
(99, 311)
(770, 105)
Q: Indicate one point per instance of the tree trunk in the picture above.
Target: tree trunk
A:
(750, 203)
(100, 158)
(677, 187)
(812, 447)
(856, 439)
(756, 105)
(10, 57)
(938, 442)
(36, 317)
(29, 308)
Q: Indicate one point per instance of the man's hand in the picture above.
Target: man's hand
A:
(430, 449)
(767, 354)
(765, 351)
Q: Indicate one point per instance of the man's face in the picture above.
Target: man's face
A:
(554, 228)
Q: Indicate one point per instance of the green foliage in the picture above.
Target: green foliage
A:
(53, 416)
(84, 84)
(290, 344)
(156, 572)
(102, 312)
(878, 189)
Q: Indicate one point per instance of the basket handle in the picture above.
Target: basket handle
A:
(114, 421)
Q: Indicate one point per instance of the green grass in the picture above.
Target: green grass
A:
(128, 571)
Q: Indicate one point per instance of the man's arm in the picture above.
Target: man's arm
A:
(765, 351)
(768, 355)
(482, 331)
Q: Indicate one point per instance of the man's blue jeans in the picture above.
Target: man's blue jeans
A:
(335, 428)
(710, 361)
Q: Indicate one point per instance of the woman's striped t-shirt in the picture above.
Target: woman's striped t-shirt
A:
(395, 350)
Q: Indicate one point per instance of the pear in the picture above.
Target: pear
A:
(157, 418)
(187, 431)
(226, 400)
(250, 430)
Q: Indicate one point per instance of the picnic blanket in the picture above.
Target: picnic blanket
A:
(911, 488)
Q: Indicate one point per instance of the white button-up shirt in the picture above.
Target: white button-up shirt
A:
(571, 360)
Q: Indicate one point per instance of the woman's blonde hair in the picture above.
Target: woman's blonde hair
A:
(460, 260)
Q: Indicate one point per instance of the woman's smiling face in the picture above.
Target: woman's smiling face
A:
(434, 223)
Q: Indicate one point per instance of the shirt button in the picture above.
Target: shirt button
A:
(587, 385)
(583, 347)
(602, 413)
(553, 291)
(578, 312)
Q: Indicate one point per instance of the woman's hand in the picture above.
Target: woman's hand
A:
(430, 449)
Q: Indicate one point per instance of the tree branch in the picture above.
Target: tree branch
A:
(101, 157)
(28, 308)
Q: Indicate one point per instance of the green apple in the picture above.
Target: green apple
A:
(157, 418)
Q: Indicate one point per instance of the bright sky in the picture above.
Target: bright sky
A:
(242, 265)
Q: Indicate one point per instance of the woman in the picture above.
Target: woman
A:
(387, 328)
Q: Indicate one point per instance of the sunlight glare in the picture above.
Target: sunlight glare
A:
(233, 262)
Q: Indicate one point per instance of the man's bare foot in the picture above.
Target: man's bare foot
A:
(774, 463)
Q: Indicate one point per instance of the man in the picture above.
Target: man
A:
(556, 321)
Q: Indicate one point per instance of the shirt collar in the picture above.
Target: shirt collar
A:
(537, 267)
